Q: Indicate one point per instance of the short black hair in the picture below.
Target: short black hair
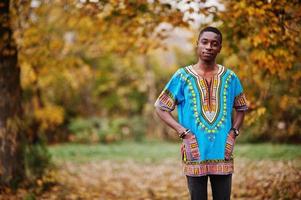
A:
(211, 29)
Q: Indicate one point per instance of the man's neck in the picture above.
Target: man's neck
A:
(206, 66)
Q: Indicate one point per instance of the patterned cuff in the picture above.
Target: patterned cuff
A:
(165, 101)
(240, 102)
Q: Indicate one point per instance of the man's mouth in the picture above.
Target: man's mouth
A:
(207, 54)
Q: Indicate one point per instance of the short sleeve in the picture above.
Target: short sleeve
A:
(172, 93)
(240, 101)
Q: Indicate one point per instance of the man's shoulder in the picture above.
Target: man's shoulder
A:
(182, 70)
(229, 70)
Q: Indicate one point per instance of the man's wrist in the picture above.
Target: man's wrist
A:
(184, 133)
(235, 131)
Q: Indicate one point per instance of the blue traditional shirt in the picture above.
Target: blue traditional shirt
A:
(206, 109)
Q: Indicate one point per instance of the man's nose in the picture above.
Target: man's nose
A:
(208, 46)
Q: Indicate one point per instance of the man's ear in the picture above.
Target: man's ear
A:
(220, 48)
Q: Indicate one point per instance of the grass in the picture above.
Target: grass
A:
(266, 151)
(145, 152)
(157, 151)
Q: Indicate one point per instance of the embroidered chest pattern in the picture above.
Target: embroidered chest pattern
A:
(210, 94)
(209, 100)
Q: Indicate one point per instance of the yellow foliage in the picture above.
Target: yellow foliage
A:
(273, 29)
(232, 60)
(287, 102)
(27, 75)
(254, 115)
(49, 116)
(284, 102)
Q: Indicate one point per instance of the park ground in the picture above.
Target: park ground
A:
(152, 171)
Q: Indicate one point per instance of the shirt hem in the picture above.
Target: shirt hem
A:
(198, 175)
(208, 167)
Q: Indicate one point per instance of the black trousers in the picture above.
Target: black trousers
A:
(220, 186)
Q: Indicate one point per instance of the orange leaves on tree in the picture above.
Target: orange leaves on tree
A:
(271, 27)
(265, 37)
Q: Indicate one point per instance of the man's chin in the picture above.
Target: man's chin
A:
(207, 58)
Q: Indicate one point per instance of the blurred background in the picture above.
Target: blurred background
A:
(91, 71)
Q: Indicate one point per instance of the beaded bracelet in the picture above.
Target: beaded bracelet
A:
(182, 135)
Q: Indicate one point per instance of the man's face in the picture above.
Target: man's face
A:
(209, 46)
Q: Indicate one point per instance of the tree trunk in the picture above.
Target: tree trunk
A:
(11, 151)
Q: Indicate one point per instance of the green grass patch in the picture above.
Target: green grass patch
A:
(268, 151)
(146, 151)
(158, 151)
